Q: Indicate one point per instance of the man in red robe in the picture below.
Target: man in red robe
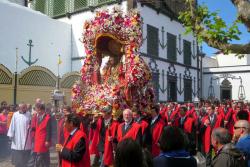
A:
(156, 126)
(74, 151)
(142, 120)
(208, 123)
(231, 118)
(94, 138)
(186, 122)
(42, 137)
(171, 114)
(109, 130)
(129, 128)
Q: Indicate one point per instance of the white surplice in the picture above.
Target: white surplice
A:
(18, 131)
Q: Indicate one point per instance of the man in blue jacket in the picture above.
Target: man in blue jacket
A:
(242, 137)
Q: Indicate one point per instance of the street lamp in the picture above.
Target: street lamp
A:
(196, 104)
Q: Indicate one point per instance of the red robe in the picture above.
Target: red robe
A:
(144, 125)
(206, 138)
(40, 135)
(60, 131)
(156, 130)
(171, 119)
(231, 118)
(108, 156)
(131, 133)
(94, 137)
(163, 110)
(85, 161)
(188, 124)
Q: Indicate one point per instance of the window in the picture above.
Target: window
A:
(40, 5)
(155, 81)
(80, 4)
(171, 47)
(172, 90)
(59, 7)
(152, 41)
(187, 90)
(187, 52)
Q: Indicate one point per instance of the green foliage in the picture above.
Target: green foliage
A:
(208, 25)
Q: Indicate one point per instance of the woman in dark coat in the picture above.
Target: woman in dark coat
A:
(173, 153)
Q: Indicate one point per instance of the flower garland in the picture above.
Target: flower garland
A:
(127, 30)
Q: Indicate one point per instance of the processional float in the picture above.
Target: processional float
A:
(113, 73)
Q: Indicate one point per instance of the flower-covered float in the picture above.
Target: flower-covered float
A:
(113, 72)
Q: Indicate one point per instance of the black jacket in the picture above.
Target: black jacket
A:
(174, 161)
(229, 156)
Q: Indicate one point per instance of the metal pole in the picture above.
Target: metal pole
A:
(15, 79)
(58, 75)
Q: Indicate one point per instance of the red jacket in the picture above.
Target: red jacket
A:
(188, 124)
(206, 138)
(94, 137)
(108, 156)
(156, 130)
(231, 118)
(170, 119)
(131, 133)
(60, 131)
(144, 126)
(85, 161)
(40, 135)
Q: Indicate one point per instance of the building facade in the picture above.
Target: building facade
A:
(171, 55)
(226, 77)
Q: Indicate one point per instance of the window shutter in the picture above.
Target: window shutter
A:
(171, 47)
(187, 52)
(40, 5)
(59, 7)
(187, 90)
(80, 4)
(152, 41)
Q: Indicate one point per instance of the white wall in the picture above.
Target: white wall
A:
(19, 2)
(50, 37)
(209, 62)
(231, 60)
(242, 71)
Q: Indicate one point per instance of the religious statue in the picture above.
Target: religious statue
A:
(113, 72)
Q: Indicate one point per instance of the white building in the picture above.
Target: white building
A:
(171, 56)
(226, 77)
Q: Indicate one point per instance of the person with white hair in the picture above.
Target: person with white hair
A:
(129, 128)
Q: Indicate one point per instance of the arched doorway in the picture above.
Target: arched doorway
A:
(226, 90)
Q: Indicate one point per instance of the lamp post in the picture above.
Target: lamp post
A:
(57, 95)
(15, 79)
(196, 104)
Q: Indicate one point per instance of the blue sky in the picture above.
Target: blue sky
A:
(228, 12)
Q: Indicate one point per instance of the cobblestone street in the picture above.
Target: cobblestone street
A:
(7, 162)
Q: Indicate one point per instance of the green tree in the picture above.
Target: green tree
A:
(209, 27)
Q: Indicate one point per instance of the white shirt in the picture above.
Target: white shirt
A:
(73, 131)
(19, 127)
(154, 119)
(127, 124)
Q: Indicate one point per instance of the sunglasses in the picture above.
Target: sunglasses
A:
(236, 127)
